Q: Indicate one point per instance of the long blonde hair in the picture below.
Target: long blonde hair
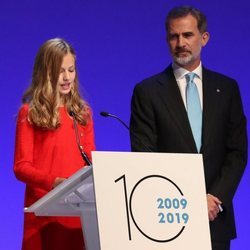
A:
(42, 95)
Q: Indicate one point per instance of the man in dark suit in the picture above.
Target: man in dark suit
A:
(160, 120)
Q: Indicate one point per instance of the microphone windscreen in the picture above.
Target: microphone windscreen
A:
(105, 114)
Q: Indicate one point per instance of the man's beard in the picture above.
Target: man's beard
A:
(185, 60)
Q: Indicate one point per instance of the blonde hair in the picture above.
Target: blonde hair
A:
(43, 96)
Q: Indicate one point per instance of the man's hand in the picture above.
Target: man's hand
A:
(213, 206)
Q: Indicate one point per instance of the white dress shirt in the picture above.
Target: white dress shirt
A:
(180, 73)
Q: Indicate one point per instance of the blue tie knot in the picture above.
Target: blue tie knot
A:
(190, 77)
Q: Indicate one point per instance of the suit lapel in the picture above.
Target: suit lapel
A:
(210, 105)
(170, 94)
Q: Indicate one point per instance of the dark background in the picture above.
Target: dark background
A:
(118, 43)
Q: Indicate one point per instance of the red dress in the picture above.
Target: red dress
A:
(40, 157)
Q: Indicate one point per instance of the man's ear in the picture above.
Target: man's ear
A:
(205, 37)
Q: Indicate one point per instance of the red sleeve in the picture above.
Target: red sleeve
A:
(23, 161)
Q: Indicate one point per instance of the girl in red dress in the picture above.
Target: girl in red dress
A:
(46, 152)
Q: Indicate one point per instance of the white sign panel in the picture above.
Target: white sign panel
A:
(150, 201)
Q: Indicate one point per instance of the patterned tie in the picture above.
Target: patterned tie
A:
(194, 109)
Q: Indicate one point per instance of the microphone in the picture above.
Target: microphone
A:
(106, 114)
(83, 154)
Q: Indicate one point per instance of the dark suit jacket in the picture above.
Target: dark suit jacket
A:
(159, 120)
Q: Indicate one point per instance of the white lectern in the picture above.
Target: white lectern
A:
(73, 197)
(153, 201)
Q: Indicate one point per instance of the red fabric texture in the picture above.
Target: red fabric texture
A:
(41, 156)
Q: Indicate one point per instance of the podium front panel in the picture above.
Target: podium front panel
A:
(153, 201)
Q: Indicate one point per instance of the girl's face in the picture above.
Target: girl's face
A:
(67, 75)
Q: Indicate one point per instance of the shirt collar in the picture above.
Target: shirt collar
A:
(180, 72)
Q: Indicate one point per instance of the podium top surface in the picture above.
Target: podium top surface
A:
(71, 192)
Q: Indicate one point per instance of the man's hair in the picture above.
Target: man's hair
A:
(183, 11)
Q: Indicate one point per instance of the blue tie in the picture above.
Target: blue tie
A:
(194, 109)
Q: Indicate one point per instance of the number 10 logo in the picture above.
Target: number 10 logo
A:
(157, 207)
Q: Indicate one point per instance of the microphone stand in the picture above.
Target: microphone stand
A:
(83, 154)
(106, 114)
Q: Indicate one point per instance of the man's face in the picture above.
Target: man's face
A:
(185, 41)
